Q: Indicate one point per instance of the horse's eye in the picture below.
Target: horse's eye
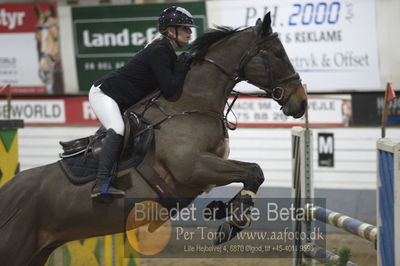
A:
(277, 52)
(263, 52)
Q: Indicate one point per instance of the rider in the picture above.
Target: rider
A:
(156, 66)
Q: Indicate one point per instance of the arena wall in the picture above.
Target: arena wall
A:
(349, 186)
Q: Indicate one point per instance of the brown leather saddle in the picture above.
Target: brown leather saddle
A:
(135, 129)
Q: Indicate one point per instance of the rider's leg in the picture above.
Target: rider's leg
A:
(107, 111)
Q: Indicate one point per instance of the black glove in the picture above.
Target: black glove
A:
(185, 58)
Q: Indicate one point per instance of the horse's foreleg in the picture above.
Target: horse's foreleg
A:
(210, 169)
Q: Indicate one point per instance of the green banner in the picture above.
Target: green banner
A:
(106, 37)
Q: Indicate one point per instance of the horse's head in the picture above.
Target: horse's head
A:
(47, 43)
(267, 66)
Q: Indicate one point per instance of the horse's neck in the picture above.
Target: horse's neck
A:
(206, 85)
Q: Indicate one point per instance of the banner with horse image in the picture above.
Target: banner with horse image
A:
(106, 37)
(331, 43)
(30, 54)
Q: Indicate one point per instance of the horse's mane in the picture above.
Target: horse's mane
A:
(200, 46)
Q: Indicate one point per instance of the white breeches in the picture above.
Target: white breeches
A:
(106, 110)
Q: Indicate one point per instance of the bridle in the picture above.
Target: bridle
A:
(47, 26)
(274, 91)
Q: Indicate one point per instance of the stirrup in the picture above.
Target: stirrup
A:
(108, 190)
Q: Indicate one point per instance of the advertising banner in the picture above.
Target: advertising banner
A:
(106, 37)
(258, 112)
(51, 111)
(247, 112)
(332, 43)
(29, 56)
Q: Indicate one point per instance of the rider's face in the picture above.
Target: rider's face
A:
(184, 34)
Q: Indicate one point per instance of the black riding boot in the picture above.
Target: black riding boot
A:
(109, 152)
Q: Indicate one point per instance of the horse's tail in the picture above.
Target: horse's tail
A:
(9, 208)
(18, 200)
(13, 196)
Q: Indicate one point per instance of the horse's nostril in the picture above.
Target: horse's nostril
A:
(304, 104)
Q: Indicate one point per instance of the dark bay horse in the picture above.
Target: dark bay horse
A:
(40, 209)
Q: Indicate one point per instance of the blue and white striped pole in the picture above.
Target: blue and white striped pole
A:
(322, 255)
(388, 202)
(341, 221)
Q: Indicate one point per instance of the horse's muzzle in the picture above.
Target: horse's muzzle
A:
(296, 110)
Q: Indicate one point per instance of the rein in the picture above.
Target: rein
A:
(274, 91)
(154, 101)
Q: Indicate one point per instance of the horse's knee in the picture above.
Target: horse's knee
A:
(258, 174)
(256, 178)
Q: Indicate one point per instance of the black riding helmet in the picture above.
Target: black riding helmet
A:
(174, 16)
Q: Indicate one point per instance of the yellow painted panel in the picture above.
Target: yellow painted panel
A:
(8, 161)
(83, 254)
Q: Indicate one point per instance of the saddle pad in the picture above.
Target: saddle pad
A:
(82, 168)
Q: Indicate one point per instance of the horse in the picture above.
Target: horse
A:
(40, 209)
(47, 38)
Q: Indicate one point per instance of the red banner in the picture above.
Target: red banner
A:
(30, 58)
(22, 17)
(79, 112)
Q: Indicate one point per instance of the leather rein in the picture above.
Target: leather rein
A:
(274, 91)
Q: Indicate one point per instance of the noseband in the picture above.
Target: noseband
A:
(46, 26)
(274, 91)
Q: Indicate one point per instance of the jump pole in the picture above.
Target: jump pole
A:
(344, 222)
(388, 202)
(302, 185)
(386, 235)
(322, 255)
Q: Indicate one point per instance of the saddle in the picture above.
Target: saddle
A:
(80, 156)
(79, 160)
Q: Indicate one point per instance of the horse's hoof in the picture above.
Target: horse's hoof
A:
(242, 223)
(226, 232)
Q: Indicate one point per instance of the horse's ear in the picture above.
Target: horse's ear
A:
(258, 27)
(37, 11)
(266, 25)
(52, 11)
(263, 28)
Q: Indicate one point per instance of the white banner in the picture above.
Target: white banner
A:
(251, 111)
(35, 111)
(19, 62)
(332, 44)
